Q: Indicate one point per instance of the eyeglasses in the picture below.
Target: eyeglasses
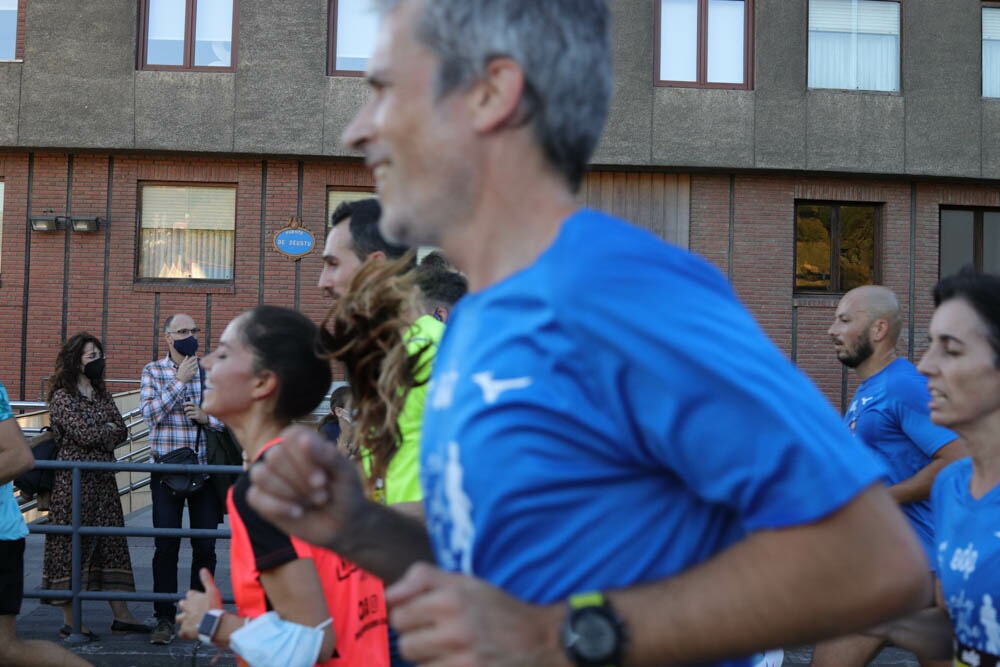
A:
(185, 332)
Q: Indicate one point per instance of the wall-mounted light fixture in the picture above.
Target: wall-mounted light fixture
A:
(47, 223)
(86, 224)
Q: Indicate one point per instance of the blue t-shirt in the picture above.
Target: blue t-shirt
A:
(12, 525)
(890, 413)
(611, 415)
(968, 556)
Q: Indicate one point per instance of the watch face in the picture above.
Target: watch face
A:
(594, 635)
(207, 625)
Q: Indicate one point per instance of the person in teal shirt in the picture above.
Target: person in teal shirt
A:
(16, 459)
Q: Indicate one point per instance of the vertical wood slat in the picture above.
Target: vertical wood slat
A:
(657, 202)
(657, 205)
(682, 211)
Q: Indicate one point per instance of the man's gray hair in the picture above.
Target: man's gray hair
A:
(561, 45)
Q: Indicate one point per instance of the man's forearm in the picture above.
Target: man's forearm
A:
(918, 487)
(854, 569)
(928, 633)
(385, 542)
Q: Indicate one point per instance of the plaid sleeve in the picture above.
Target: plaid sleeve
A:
(158, 393)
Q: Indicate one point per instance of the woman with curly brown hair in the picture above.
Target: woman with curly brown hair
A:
(88, 426)
(387, 345)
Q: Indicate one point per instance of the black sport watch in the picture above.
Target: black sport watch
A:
(593, 635)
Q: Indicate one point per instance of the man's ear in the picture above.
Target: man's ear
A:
(880, 329)
(376, 256)
(494, 100)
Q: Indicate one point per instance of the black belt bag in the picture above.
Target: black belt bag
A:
(181, 484)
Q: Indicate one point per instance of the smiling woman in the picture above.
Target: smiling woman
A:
(300, 604)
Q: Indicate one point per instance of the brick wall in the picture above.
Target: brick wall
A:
(82, 281)
(85, 281)
(762, 259)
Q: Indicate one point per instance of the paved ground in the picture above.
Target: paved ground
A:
(38, 621)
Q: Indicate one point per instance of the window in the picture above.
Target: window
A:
(335, 197)
(9, 47)
(854, 44)
(352, 30)
(991, 51)
(970, 236)
(187, 34)
(835, 246)
(704, 43)
(186, 232)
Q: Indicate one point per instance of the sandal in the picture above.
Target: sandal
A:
(66, 630)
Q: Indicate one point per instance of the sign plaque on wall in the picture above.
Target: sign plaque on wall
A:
(294, 241)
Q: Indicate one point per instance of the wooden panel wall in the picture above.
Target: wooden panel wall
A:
(660, 203)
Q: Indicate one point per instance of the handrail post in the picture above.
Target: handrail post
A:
(77, 636)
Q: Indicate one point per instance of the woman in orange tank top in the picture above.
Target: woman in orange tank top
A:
(265, 373)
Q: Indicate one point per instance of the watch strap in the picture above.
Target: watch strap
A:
(588, 599)
(209, 625)
(586, 604)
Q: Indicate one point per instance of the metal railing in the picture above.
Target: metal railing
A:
(76, 529)
(133, 419)
(135, 460)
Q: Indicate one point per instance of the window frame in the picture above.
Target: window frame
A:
(191, 15)
(331, 44)
(204, 282)
(977, 231)
(866, 91)
(701, 78)
(836, 204)
(19, 13)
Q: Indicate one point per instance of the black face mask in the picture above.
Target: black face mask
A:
(94, 370)
(187, 346)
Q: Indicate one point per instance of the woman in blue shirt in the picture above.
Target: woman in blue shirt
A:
(962, 366)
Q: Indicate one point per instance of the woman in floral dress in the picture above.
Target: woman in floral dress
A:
(88, 426)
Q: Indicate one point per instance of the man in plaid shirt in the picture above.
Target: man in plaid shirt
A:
(171, 400)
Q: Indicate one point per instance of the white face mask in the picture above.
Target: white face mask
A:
(269, 641)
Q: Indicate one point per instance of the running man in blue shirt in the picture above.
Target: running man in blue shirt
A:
(890, 414)
(618, 466)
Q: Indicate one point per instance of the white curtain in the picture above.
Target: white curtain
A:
(679, 40)
(991, 52)
(725, 41)
(357, 26)
(166, 19)
(8, 29)
(213, 33)
(854, 44)
(187, 232)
